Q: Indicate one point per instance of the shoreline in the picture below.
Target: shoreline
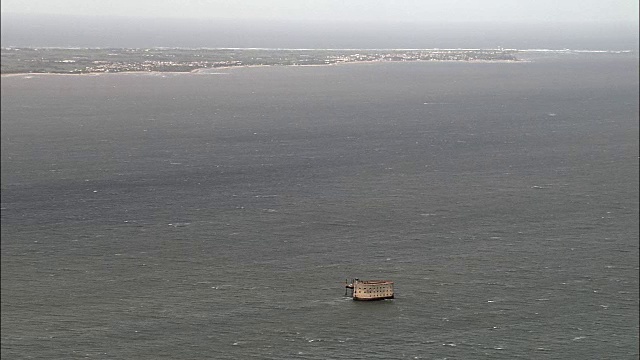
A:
(211, 71)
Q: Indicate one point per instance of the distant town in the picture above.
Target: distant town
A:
(114, 60)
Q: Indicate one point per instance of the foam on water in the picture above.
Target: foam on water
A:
(504, 231)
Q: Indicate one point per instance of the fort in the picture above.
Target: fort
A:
(370, 289)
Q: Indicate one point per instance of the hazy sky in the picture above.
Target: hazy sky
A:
(575, 24)
(340, 10)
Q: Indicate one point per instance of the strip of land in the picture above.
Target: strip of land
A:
(115, 60)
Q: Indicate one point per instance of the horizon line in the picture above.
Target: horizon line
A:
(10, 47)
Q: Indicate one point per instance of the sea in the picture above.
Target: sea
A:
(217, 215)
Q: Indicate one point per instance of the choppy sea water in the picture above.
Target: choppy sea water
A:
(217, 215)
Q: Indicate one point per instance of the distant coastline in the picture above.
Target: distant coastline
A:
(19, 61)
(112, 60)
(210, 71)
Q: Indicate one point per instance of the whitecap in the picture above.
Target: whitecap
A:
(538, 187)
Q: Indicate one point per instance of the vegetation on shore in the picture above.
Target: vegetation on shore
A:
(112, 60)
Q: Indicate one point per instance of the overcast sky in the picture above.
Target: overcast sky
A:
(574, 24)
(340, 10)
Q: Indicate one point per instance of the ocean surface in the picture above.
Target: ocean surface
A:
(217, 215)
